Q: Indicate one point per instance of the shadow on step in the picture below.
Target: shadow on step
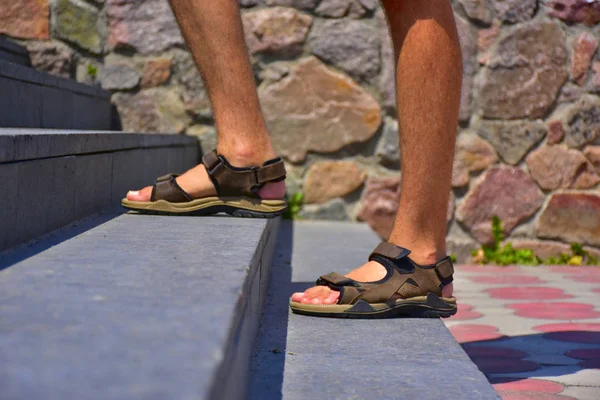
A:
(22, 252)
(557, 352)
(266, 374)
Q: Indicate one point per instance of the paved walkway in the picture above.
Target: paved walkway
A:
(534, 331)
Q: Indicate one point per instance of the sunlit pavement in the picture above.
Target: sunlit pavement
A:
(534, 331)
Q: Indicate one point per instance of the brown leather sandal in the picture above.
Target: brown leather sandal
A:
(408, 290)
(237, 191)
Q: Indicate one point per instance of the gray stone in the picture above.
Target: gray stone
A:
(298, 357)
(207, 136)
(170, 327)
(193, 93)
(388, 148)
(159, 110)
(478, 10)
(583, 122)
(52, 57)
(353, 46)
(119, 77)
(513, 11)
(58, 108)
(525, 72)
(333, 8)
(335, 210)
(147, 26)
(468, 46)
(512, 139)
(387, 77)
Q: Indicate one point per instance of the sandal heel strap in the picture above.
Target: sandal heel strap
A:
(234, 181)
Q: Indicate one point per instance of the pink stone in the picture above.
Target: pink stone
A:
(593, 154)
(572, 217)
(379, 204)
(485, 39)
(556, 132)
(472, 154)
(507, 192)
(576, 11)
(584, 48)
(276, 30)
(555, 166)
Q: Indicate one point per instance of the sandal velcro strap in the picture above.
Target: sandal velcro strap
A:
(335, 279)
(445, 270)
(234, 181)
(389, 250)
(166, 188)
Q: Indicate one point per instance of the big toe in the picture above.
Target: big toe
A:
(318, 295)
(140, 195)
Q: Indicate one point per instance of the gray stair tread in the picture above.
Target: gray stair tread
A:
(26, 74)
(18, 144)
(299, 357)
(137, 307)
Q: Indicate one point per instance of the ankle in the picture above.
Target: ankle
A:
(422, 255)
(246, 155)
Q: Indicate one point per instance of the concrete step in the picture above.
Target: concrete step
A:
(134, 307)
(49, 178)
(14, 53)
(299, 357)
(35, 99)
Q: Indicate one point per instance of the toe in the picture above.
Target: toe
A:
(140, 195)
(297, 297)
(319, 295)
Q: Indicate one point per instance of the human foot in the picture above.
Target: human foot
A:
(371, 271)
(198, 184)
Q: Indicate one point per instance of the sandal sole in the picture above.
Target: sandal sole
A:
(235, 206)
(430, 306)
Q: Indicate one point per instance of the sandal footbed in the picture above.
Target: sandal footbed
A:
(208, 205)
(420, 306)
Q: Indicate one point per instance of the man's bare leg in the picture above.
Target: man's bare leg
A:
(213, 31)
(428, 79)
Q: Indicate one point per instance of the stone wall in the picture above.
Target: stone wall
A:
(529, 143)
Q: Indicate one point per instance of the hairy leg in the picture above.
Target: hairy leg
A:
(428, 82)
(214, 34)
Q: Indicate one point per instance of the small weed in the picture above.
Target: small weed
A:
(92, 71)
(295, 203)
(507, 255)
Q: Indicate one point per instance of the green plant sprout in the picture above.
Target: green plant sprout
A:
(92, 71)
(295, 203)
(497, 254)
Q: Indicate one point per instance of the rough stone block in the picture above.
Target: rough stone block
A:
(154, 321)
(92, 184)
(20, 104)
(8, 211)
(45, 196)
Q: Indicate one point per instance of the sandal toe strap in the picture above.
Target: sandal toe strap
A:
(166, 188)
